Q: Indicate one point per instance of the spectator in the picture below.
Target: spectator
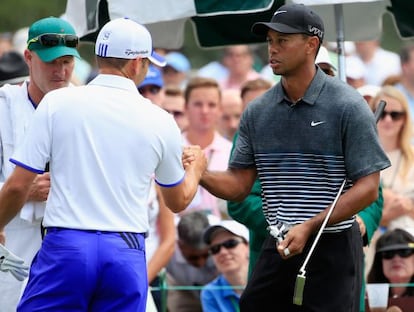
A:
(228, 245)
(203, 110)
(174, 103)
(6, 44)
(379, 63)
(177, 71)
(394, 262)
(161, 236)
(354, 71)
(232, 108)
(191, 264)
(395, 133)
(252, 89)
(152, 87)
(239, 60)
(160, 241)
(13, 68)
(406, 84)
(368, 92)
(323, 60)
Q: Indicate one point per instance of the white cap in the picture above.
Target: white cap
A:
(231, 226)
(369, 90)
(323, 57)
(123, 38)
(354, 67)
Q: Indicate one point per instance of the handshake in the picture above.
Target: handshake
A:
(279, 230)
(9, 262)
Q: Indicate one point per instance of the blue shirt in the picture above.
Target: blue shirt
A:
(218, 296)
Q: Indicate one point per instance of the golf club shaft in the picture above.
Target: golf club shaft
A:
(377, 115)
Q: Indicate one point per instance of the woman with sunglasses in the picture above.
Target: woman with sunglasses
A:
(394, 262)
(228, 244)
(395, 133)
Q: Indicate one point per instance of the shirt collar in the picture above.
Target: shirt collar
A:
(311, 94)
(115, 81)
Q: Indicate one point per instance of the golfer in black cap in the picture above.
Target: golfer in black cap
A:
(303, 138)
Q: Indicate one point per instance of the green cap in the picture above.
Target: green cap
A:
(51, 25)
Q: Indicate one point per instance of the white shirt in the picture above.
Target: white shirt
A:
(16, 111)
(104, 142)
(383, 64)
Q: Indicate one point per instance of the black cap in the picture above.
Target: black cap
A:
(293, 19)
(13, 68)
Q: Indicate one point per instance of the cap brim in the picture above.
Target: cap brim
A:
(50, 54)
(261, 29)
(15, 80)
(157, 59)
(151, 82)
(396, 247)
(208, 234)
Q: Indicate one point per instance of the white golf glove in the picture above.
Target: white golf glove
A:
(279, 230)
(12, 263)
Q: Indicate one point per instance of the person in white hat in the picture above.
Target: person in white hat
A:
(228, 244)
(104, 143)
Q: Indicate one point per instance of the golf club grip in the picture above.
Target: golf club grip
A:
(379, 110)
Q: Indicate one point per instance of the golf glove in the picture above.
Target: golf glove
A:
(15, 265)
(279, 230)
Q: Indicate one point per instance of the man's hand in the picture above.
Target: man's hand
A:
(362, 227)
(193, 155)
(39, 190)
(9, 262)
(2, 237)
(294, 241)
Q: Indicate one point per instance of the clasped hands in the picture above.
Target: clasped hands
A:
(194, 156)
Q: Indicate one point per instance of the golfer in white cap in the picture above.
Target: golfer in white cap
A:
(104, 143)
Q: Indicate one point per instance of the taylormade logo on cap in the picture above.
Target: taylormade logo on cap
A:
(123, 38)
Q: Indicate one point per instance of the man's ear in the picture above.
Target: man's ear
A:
(313, 45)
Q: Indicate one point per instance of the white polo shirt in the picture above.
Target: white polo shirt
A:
(104, 142)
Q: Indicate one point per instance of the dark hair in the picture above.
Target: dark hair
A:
(111, 61)
(392, 237)
(255, 84)
(173, 91)
(191, 229)
(200, 82)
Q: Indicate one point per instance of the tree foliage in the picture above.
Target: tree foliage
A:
(16, 14)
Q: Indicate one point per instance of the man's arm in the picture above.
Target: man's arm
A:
(233, 184)
(363, 192)
(14, 194)
(370, 218)
(178, 197)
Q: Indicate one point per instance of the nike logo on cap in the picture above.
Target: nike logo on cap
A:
(316, 123)
(278, 12)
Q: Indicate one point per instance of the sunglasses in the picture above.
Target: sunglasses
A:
(150, 89)
(228, 244)
(53, 40)
(395, 115)
(403, 253)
